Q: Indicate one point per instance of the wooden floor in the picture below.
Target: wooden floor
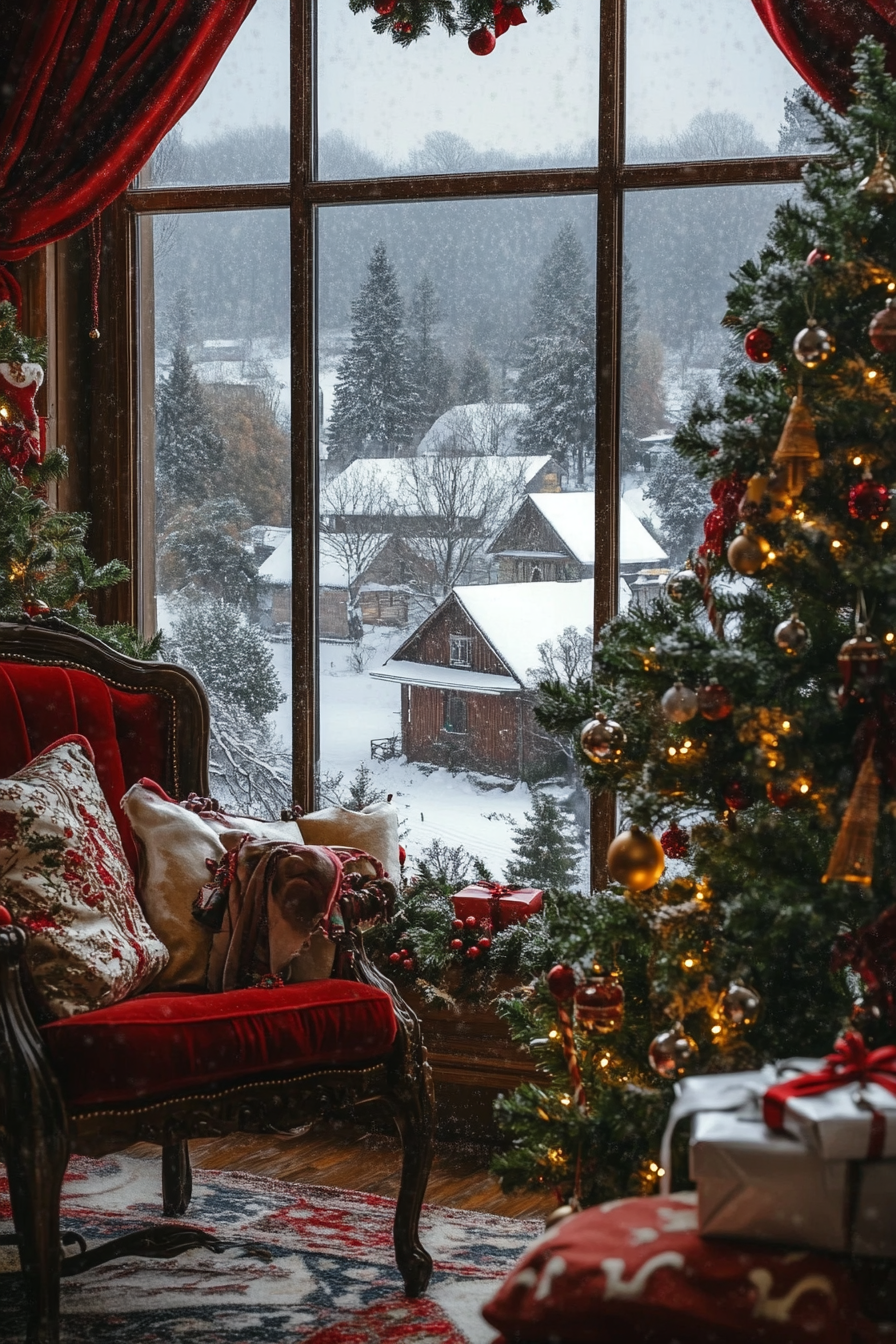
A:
(351, 1159)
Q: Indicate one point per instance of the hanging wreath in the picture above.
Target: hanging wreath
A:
(483, 21)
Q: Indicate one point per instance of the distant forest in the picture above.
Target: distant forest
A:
(482, 256)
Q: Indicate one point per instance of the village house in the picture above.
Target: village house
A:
(551, 537)
(467, 674)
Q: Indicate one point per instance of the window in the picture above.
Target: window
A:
(564, 215)
(455, 713)
(461, 651)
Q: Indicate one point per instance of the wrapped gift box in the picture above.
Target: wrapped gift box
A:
(753, 1183)
(847, 1124)
(497, 907)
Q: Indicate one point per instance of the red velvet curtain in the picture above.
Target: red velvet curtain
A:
(818, 37)
(89, 89)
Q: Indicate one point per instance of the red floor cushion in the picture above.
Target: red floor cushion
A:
(163, 1045)
(637, 1271)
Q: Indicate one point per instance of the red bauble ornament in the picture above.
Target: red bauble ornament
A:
(758, 345)
(882, 331)
(402, 856)
(384, 7)
(457, 923)
(32, 606)
(481, 42)
(562, 982)
(403, 26)
(675, 842)
(471, 921)
(5, 917)
(408, 963)
(735, 796)
(818, 256)
(485, 943)
(780, 793)
(456, 944)
(395, 958)
(473, 953)
(861, 665)
(868, 500)
(714, 702)
(600, 1004)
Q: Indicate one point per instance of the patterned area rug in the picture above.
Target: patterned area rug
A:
(331, 1278)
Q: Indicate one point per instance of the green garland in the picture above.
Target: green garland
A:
(408, 20)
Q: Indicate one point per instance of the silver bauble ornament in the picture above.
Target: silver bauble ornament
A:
(813, 345)
(738, 1005)
(679, 704)
(602, 739)
(679, 584)
(672, 1052)
(792, 636)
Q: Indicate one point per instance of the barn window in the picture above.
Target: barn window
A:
(326, 177)
(461, 651)
(455, 713)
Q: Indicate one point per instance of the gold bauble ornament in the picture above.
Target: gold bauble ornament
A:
(602, 739)
(797, 450)
(748, 552)
(738, 1005)
(792, 636)
(880, 182)
(635, 859)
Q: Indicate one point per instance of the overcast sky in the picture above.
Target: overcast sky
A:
(536, 91)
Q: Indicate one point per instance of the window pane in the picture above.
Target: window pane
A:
(435, 107)
(457, 384)
(705, 81)
(216, 355)
(238, 128)
(680, 248)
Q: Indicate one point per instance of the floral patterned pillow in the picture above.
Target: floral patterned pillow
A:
(64, 878)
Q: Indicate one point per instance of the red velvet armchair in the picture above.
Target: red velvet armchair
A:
(167, 1068)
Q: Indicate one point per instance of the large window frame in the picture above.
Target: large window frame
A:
(128, 287)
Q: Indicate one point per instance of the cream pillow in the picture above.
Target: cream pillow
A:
(64, 878)
(173, 846)
(374, 829)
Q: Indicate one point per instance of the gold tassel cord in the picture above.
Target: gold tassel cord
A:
(852, 858)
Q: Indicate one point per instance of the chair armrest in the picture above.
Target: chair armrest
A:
(30, 1098)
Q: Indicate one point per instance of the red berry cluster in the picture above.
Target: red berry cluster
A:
(472, 950)
(402, 959)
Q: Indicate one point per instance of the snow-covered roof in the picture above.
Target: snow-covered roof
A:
(277, 569)
(377, 485)
(516, 617)
(640, 506)
(479, 426)
(572, 518)
(264, 534)
(445, 678)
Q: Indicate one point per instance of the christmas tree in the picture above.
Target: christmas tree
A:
(376, 405)
(747, 717)
(44, 565)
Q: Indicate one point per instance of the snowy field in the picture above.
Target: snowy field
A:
(432, 803)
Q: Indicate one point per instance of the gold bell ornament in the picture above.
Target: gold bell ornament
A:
(797, 450)
(880, 182)
(852, 858)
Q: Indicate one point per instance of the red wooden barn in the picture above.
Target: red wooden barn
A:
(468, 671)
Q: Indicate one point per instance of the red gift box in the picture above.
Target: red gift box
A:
(495, 906)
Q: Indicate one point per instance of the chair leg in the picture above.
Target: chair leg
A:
(177, 1178)
(415, 1118)
(35, 1172)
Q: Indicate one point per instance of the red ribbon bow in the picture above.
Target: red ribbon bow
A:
(851, 1062)
(506, 16)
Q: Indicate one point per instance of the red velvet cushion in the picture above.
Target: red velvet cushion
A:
(128, 730)
(637, 1270)
(162, 1045)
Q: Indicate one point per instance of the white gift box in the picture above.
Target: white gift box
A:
(752, 1183)
(838, 1124)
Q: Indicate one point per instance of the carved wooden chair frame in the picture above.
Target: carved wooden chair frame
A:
(38, 1132)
